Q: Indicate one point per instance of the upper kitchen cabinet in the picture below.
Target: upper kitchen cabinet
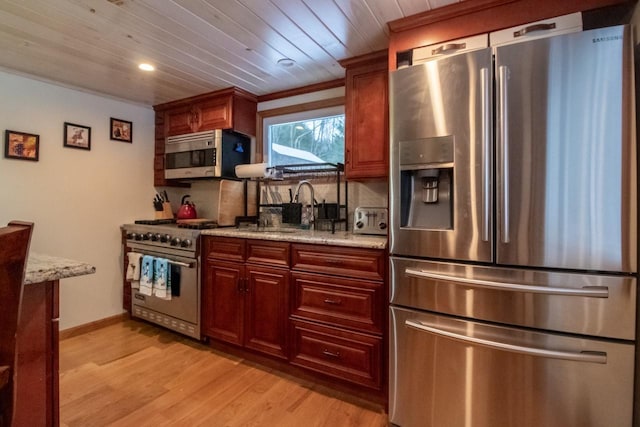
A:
(230, 108)
(473, 17)
(367, 118)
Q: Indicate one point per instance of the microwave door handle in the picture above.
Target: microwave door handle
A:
(580, 356)
(590, 291)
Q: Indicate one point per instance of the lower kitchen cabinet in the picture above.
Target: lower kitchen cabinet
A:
(322, 308)
(266, 312)
(338, 311)
(343, 354)
(246, 303)
(223, 301)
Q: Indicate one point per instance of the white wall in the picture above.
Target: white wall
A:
(78, 199)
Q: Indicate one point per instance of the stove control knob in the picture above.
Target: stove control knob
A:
(382, 226)
(137, 236)
(185, 243)
(165, 238)
(131, 236)
(175, 241)
(359, 224)
(147, 236)
(156, 237)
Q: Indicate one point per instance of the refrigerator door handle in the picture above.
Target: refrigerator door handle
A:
(486, 138)
(588, 291)
(503, 111)
(581, 356)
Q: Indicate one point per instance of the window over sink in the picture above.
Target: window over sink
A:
(304, 136)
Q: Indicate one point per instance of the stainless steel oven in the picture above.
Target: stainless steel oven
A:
(180, 248)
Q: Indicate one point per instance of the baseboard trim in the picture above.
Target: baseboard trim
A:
(92, 326)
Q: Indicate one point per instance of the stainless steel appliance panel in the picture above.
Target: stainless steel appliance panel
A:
(455, 373)
(184, 307)
(566, 160)
(440, 129)
(589, 304)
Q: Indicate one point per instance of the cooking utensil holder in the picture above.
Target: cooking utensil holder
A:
(291, 213)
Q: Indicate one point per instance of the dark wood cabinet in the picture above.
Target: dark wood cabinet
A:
(266, 312)
(215, 113)
(367, 116)
(37, 391)
(223, 301)
(338, 307)
(246, 295)
(230, 108)
(320, 308)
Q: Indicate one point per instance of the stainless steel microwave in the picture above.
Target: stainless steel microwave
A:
(210, 154)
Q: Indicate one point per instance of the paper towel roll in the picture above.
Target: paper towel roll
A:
(253, 170)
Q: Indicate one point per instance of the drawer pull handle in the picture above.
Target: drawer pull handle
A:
(333, 301)
(334, 261)
(328, 353)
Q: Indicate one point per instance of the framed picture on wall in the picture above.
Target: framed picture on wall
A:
(77, 136)
(121, 130)
(21, 145)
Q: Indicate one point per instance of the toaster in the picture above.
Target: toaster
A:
(370, 221)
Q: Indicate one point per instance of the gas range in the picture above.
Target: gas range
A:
(165, 234)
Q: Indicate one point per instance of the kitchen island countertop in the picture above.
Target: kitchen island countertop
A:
(44, 268)
(340, 238)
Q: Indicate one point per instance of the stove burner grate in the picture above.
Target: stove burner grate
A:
(199, 225)
(155, 221)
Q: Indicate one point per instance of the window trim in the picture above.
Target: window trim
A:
(308, 106)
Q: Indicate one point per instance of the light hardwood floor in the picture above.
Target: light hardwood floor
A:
(134, 374)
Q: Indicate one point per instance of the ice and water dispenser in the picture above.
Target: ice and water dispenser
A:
(426, 183)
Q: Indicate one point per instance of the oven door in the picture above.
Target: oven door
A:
(446, 371)
(185, 306)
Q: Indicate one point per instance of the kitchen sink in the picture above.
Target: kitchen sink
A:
(274, 230)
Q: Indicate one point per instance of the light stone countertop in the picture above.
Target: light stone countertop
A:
(340, 238)
(44, 268)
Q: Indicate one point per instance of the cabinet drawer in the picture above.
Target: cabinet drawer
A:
(225, 248)
(343, 302)
(345, 355)
(350, 262)
(268, 252)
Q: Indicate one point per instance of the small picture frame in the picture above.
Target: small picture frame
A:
(21, 145)
(77, 136)
(121, 130)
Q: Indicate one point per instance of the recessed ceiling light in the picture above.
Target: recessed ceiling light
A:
(146, 67)
(286, 62)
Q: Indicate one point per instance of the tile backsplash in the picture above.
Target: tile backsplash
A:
(205, 194)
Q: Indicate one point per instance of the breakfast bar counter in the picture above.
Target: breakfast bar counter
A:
(37, 402)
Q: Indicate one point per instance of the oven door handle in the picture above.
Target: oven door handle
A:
(181, 264)
(587, 291)
(580, 356)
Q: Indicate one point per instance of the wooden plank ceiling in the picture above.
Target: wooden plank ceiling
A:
(197, 46)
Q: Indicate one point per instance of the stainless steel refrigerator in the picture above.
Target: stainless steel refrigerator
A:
(513, 235)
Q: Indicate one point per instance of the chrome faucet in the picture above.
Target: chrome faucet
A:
(297, 199)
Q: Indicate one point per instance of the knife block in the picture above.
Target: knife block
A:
(166, 212)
